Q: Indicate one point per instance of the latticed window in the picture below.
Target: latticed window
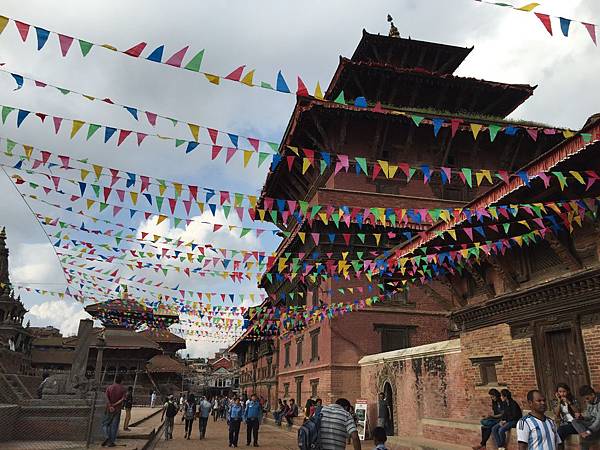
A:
(287, 354)
(314, 345)
(299, 351)
(393, 337)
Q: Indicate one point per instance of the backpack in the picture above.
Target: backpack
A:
(309, 434)
(171, 409)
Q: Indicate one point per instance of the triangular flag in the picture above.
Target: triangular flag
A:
(340, 98)
(136, 50)
(493, 129)
(65, 43)
(236, 74)
(42, 37)
(194, 129)
(318, 92)
(3, 23)
(590, 27)
(301, 91)
(248, 79)
(156, 54)
(21, 116)
(475, 129)
(177, 58)
(281, 85)
(23, 29)
(564, 26)
(91, 130)
(545, 19)
(85, 47)
(77, 124)
(195, 62)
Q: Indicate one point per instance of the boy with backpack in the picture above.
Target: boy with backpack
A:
(170, 410)
(379, 438)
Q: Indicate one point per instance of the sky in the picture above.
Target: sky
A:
(303, 39)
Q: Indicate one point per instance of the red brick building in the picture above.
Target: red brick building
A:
(409, 77)
(528, 316)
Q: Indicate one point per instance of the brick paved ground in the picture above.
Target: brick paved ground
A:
(269, 438)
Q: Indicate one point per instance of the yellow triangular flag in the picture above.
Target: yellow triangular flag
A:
(452, 233)
(214, 79)
(294, 149)
(261, 214)
(97, 171)
(528, 7)
(134, 197)
(248, 78)
(28, 149)
(384, 167)
(247, 157)
(392, 168)
(252, 200)
(377, 237)
(177, 187)
(161, 189)
(161, 218)
(475, 129)
(77, 124)
(302, 236)
(305, 165)
(318, 93)
(194, 129)
(89, 203)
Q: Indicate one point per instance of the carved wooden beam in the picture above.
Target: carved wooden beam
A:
(564, 252)
(481, 283)
(508, 279)
(437, 297)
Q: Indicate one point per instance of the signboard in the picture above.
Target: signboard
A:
(360, 409)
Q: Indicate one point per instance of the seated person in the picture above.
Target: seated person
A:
(488, 422)
(590, 417)
(566, 412)
(510, 416)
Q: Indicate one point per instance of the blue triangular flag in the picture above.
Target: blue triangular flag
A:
(360, 102)
(213, 208)
(191, 146)
(281, 84)
(275, 162)
(130, 179)
(148, 197)
(564, 25)
(437, 124)
(19, 81)
(108, 132)
(42, 37)
(234, 139)
(156, 55)
(21, 116)
(82, 187)
(132, 111)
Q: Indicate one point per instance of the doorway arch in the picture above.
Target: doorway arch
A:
(389, 398)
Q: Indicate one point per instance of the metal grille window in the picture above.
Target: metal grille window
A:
(394, 337)
(287, 354)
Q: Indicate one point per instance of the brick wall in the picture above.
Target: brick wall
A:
(516, 372)
(591, 342)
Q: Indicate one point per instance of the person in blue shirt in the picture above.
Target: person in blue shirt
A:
(252, 417)
(234, 419)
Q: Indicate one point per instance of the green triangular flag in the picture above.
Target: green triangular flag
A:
(335, 217)
(96, 189)
(178, 142)
(340, 98)
(261, 157)
(64, 91)
(226, 210)
(195, 62)
(103, 206)
(314, 211)
(176, 221)
(265, 85)
(273, 214)
(493, 131)
(85, 47)
(91, 130)
(159, 202)
(9, 146)
(506, 227)
(417, 120)
(361, 236)
(303, 206)
(6, 110)
(323, 166)
(274, 146)
(244, 232)
(468, 175)
(362, 163)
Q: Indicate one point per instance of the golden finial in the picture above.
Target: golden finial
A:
(393, 30)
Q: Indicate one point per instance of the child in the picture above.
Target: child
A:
(379, 438)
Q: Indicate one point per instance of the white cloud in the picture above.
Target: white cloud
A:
(60, 314)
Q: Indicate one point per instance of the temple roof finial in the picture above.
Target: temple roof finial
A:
(393, 30)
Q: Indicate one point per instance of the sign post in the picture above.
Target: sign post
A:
(360, 409)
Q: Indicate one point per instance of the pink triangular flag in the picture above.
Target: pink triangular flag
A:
(65, 43)
(177, 58)
(141, 137)
(254, 143)
(23, 29)
(151, 118)
(230, 152)
(57, 121)
(591, 28)
(236, 74)
(533, 132)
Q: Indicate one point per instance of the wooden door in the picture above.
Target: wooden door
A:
(560, 356)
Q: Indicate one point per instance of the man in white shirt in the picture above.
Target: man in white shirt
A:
(535, 431)
(336, 425)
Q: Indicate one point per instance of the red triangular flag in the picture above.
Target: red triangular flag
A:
(122, 136)
(141, 137)
(254, 143)
(545, 19)
(65, 43)
(177, 58)
(151, 118)
(236, 74)
(213, 135)
(57, 121)
(533, 132)
(216, 149)
(302, 91)
(454, 124)
(42, 116)
(136, 50)
(23, 29)
(377, 107)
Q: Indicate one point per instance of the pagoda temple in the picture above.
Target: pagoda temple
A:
(15, 340)
(378, 107)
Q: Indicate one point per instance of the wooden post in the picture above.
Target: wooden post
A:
(137, 369)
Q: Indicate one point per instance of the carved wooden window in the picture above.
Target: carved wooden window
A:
(287, 354)
(314, 345)
(393, 337)
(299, 351)
(487, 369)
(286, 389)
(314, 387)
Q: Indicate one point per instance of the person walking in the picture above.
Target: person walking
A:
(337, 424)
(152, 399)
(115, 396)
(189, 413)
(252, 417)
(170, 409)
(510, 416)
(215, 410)
(204, 409)
(234, 419)
(535, 431)
(128, 404)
